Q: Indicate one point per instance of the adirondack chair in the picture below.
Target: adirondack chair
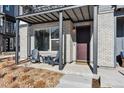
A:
(35, 56)
(48, 59)
(122, 58)
(55, 60)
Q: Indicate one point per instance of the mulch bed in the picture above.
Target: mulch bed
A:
(12, 76)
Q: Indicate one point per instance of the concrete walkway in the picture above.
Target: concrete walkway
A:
(74, 81)
(112, 77)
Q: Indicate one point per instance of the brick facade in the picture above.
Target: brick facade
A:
(106, 38)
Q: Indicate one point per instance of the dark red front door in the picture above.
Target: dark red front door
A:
(83, 41)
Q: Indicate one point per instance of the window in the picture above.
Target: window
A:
(9, 26)
(55, 33)
(54, 45)
(11, 44)
(42, 40)
(47, 39)
(54, 38)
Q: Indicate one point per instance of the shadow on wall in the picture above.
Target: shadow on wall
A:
(118, 59)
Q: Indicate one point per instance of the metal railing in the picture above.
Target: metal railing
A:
(7, 28)
(29, 9)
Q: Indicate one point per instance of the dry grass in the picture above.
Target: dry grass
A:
(12, 76)
(39, 83)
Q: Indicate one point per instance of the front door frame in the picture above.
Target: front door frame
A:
(90, 25)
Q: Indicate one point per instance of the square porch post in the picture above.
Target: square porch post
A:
(17, 42)
(60, 40)
(95, 40)
(28, 41)
(4, 32)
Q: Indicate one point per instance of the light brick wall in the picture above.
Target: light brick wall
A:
(106, 39)
(23, 39)
(23, 42)
(69, 41)
(67, 28)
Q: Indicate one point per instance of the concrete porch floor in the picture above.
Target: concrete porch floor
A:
(70, 68)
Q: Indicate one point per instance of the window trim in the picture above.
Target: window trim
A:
(51, 43)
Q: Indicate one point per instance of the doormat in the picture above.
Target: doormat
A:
(82, 62)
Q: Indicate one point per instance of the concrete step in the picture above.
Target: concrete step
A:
(74, 81)
(72, 85)
(76, 78)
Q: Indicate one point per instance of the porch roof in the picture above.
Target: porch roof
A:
(73, 13)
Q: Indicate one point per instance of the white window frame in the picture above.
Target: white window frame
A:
(51, 38)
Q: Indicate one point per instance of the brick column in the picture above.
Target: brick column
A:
(106, 37)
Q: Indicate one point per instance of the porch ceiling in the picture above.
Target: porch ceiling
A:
(75, 14)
